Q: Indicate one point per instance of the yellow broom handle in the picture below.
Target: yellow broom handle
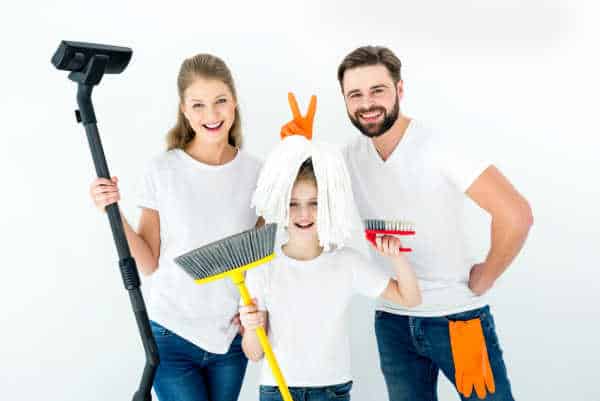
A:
(264, 342)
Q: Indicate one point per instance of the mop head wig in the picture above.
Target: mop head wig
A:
(334, 196)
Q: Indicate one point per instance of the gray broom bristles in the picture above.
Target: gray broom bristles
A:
(229, 253)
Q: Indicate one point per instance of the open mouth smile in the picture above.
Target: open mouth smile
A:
(371, 116)
(213, 127)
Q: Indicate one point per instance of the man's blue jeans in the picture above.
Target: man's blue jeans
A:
(189, 373)
(412, 351)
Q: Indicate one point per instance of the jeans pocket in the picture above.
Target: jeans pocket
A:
(487, 323)
(489, 330)
(269, 393)
(268, 389)
(469, 315)
(340, 391)
(159, 331)
(235, 349)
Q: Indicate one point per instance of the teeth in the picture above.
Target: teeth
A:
(370, 115)
(212, 126)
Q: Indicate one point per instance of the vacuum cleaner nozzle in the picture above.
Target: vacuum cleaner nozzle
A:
(88, 62)
(74, 56)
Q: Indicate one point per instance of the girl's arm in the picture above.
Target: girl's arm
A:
(145, 243)
(251, 319)
(404, 289)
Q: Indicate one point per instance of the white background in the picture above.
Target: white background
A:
(519, 79)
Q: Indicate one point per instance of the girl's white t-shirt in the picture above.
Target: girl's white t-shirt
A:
(197, 204)
(307, 304)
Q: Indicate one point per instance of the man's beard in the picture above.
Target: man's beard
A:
(374, 130)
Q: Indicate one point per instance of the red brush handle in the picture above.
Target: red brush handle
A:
(372, 234)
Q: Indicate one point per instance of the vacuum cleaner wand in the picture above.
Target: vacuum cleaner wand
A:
(88, 62)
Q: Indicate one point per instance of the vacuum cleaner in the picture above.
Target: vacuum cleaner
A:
(88, 62)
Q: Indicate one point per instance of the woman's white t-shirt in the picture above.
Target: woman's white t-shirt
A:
(307, 304)
(197, 204)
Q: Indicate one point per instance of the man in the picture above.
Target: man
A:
(400, 170)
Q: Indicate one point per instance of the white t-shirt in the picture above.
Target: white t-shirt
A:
(197, 204)
(307, 304)
(423, 181)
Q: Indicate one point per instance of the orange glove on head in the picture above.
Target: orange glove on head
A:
(300, 125)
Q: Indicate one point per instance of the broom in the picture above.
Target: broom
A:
(231, 257)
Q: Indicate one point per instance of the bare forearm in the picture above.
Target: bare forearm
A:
(507, 238)
(140, 250)
(404, 290)
(251, 346)
(408, 285)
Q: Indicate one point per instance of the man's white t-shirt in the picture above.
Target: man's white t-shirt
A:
(197, 203)
(423, 181)
(307, 304)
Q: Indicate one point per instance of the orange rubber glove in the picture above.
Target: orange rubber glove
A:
(471, 362)
(300, 125)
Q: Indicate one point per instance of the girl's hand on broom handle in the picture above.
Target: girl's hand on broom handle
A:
(104, 192)
(251, 317)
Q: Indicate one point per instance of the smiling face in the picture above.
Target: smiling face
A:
(209, 107)
(302, 225)
(372, 99)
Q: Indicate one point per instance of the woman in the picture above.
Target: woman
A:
(194, 193)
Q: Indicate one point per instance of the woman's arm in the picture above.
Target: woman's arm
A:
(404, 288)
(251, 319)
(145, 243)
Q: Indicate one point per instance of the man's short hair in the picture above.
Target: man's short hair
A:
(371, 55)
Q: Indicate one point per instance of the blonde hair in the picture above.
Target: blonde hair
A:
(202, 66)
(307, 172)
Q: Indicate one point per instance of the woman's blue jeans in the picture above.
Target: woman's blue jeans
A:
(189, 373)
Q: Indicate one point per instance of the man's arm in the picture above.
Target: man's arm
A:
(511, 220)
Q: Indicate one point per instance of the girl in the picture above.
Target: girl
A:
(196, 192)
(302, 296)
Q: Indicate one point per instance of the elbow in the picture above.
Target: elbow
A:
(528, 215)
(254, 357)
(523, 216)
(519, 216)
(148, 268)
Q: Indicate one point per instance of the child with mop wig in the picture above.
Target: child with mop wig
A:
(302, 296)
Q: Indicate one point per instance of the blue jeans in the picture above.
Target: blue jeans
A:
(339, 392)
(188, 373)
(412, 351)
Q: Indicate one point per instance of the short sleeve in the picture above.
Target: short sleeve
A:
(462, 164)
(256, 282)
(460, 161)
(367, 279)
(147, 196)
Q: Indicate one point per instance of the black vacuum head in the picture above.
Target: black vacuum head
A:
(74, 56)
